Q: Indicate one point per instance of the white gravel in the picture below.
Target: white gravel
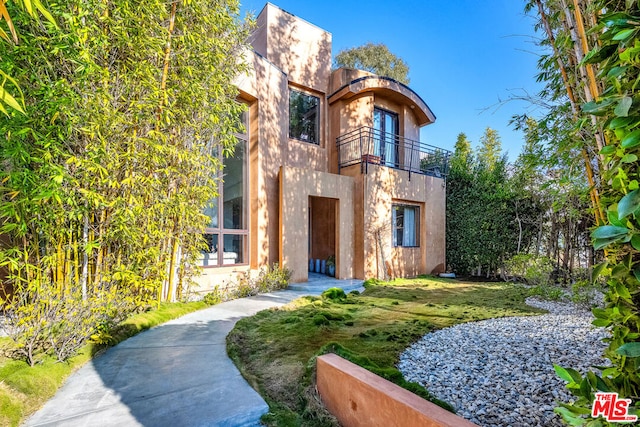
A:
(499, 372)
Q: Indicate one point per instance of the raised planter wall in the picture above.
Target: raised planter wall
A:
(357, 397)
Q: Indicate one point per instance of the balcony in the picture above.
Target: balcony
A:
(365, 146)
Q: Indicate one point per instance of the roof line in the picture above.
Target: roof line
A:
(359, 79)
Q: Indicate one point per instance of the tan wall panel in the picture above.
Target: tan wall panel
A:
(298, 48)
(384, 187)
(296, 186)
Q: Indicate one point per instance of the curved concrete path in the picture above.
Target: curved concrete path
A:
(176, 374)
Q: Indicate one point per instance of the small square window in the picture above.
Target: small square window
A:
(304, 117)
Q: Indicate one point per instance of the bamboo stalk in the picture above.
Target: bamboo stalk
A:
(172, 265)
(85, 255)
(101, 252)
(593, 192)
(167, 57)
(593, 85)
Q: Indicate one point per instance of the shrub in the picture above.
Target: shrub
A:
(587, 294)
(274, 278)
(214, 297)
(41, 323)
(269, 279)
(334, 294)
(530, 269)
(547, 292)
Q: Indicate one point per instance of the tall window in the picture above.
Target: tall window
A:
(227, 232)
(304, 117)
(385, 125)
(406, 225)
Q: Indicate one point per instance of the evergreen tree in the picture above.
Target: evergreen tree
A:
(490, 150)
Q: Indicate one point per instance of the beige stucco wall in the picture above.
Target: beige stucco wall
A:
(264, 88)
(297, 47)
(383, 187)
(296, 185)
(284, 173)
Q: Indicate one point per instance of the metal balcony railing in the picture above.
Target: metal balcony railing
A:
(367, 146)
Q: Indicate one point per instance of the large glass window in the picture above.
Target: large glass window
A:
(227, 232)
(304, 117)
(406, 225)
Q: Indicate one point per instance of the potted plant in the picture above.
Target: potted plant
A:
(371, 158)
(331, 266)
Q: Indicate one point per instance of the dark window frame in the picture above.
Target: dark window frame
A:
(398, 240)
(220, 232)
(388, 155)
(314, 136)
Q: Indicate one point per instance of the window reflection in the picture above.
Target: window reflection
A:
(227, 234)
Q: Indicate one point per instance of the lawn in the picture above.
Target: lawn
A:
(24, 389)
(275, 349)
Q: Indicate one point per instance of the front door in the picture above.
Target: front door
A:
(385, 125)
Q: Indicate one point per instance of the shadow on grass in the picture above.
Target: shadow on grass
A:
(371, 329)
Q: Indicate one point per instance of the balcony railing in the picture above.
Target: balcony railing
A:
(367, 146)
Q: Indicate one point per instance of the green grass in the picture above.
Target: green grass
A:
(24, 389)
(275, 349)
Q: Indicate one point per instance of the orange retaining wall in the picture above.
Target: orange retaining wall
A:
(357, 397)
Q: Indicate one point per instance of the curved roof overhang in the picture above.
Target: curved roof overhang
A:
(389, 88)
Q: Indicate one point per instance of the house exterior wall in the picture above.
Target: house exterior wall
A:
(300, 49)
(385, 187)
(297, 185)
(286, 175)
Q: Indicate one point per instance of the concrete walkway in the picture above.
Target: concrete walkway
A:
(177, 374)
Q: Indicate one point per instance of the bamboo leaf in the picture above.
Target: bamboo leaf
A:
(597, 270)
(616, 72)
(28, 6)
(624, 34)
(45, 12)
(4, 35)
(8, 99)
(4, 14)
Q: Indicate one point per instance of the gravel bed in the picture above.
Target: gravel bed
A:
(499, 372)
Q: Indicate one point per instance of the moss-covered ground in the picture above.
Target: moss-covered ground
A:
(275, 349)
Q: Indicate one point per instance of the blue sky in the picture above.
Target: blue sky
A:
(464, 56)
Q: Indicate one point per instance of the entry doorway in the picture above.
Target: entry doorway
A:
(323, 216)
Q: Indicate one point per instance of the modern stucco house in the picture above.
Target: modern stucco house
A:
(330, 165)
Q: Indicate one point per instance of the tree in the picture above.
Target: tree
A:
(105, 178)
(482, 228)
(462, 156)
(490, 148)
(375, 58)
(606, 119)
